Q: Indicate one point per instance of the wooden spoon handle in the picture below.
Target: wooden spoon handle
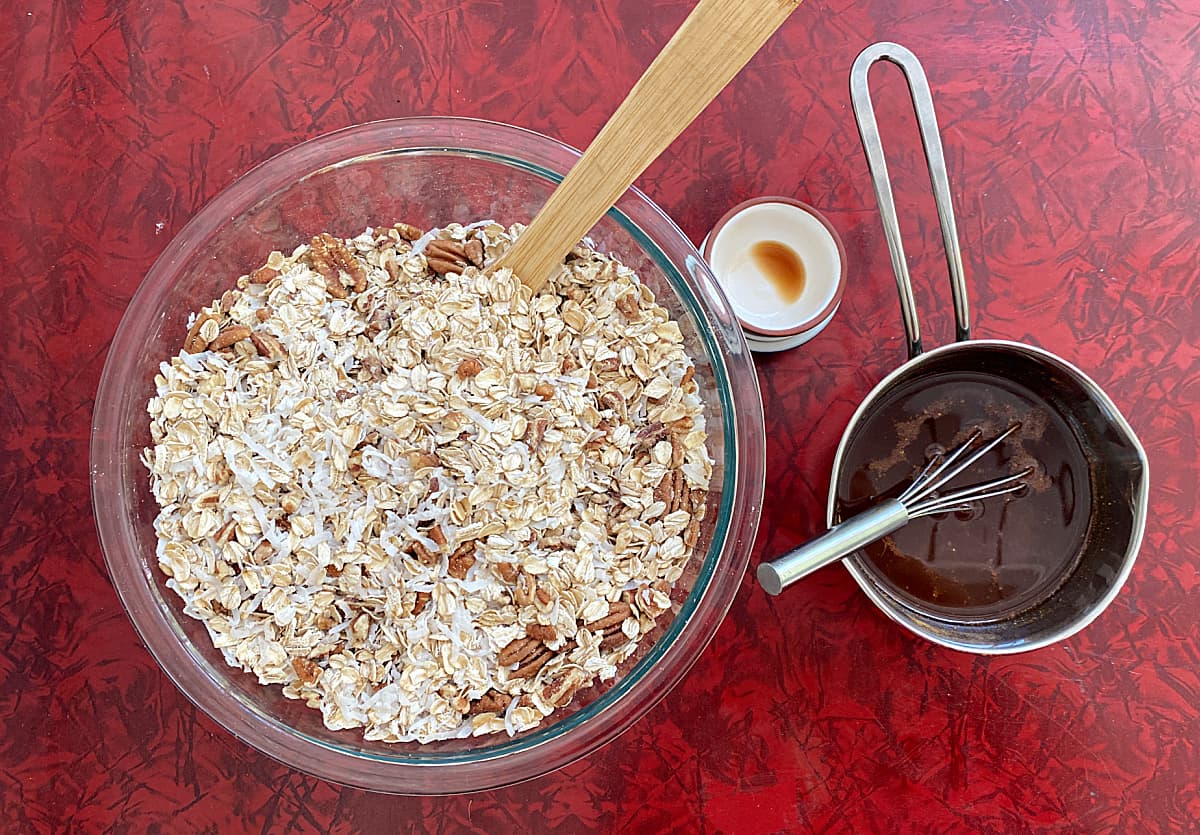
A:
(715, 41)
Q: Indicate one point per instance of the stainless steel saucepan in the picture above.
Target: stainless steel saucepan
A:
(1112, 489)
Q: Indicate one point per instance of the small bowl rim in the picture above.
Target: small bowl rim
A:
(820, 316)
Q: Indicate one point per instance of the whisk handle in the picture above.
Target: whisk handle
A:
(839, 541)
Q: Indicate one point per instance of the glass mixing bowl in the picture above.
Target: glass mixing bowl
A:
(428, 172)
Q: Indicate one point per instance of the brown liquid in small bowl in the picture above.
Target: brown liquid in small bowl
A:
(1008, 553)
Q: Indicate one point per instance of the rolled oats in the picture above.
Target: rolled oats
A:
(425, 502)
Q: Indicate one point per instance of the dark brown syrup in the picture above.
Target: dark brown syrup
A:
(782, 266)
(1008, 553)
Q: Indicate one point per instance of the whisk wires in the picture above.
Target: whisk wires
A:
(922, 497)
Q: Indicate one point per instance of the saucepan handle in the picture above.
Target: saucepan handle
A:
(864, 113)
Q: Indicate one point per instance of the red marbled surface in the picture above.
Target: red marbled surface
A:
(1073, 140)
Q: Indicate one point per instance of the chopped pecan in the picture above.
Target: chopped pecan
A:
(262, 552)
(226, 532)
(326, 621)
(267, 345)
(612, 400)
(628, 304)
(535, 431)
(333, 571)
(607, 366)
(474, 251)
(493, 701)
(543, 595)
(307, 671)
(692, 532)
(688, 376)
(228, 299)
(408, 231)
(194, 343)
(229, 336)
(541, 632)
(435, 533)
(461, 560)
(560, 689)
(421, 460)
(517, 650)
(679, 492)
(663, 491)
(262, 314)
(373, 367)
(468, 368)
(424, 554)
(263, 275)
(677, 451)
(617, 612)
(614, 640)
(423, 598)
(343, 395)
(650, 435)
(544, 390)
(524, 589)
(507, 571)
(568, 364)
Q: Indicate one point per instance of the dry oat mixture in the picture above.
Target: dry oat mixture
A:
(423, 501)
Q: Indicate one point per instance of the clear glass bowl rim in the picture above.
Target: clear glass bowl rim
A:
(527, 755)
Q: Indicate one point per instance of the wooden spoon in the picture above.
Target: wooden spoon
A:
(715, 41)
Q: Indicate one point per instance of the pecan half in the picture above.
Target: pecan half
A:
(442, 266)
(493, 701)
(330, 258)
(227, 337)
(518, 650)
(307, 671)
(530, 668)
(617, 613)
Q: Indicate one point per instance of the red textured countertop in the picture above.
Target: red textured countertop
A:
(1072, 132)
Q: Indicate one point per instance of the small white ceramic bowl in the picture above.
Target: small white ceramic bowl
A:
(770, 321)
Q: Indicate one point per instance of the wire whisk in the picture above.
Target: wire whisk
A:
(923, 497)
